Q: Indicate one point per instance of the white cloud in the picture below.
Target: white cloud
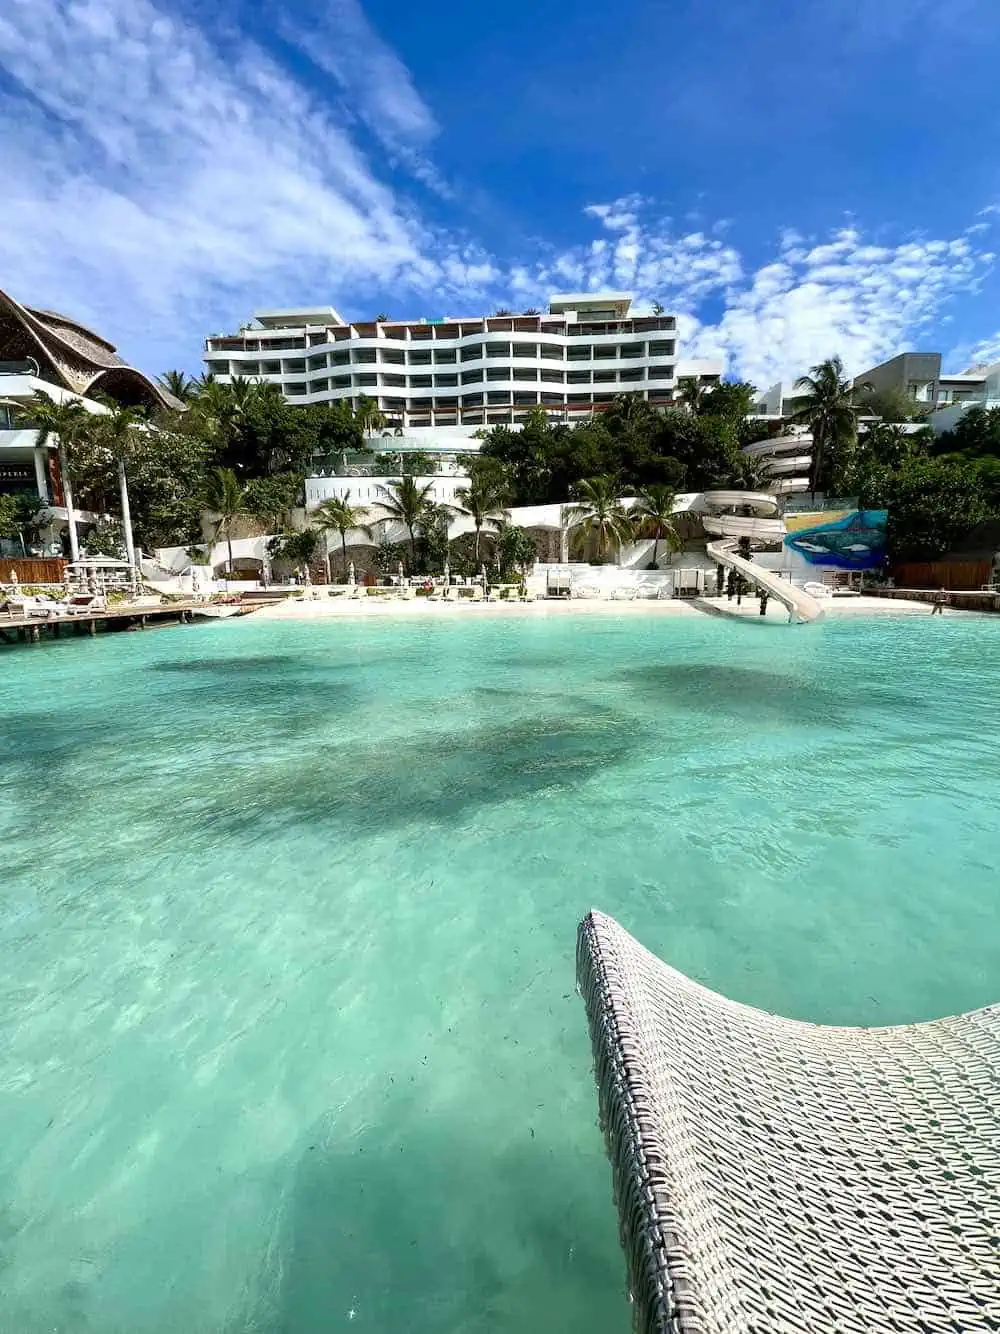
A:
(862, 301)
(156, 188)
(337, 37)
(642, 255)
(984, 353)
(160, 188)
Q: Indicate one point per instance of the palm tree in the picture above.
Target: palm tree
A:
(691, 393)
(482, 501)
(408, 504)
(178, 384)
(340, 516)
(299, 548)
(828, 408)
(753, 472)
(227, 499)
(70, 423)
(118, 429)
(369, 415)
(600, 514)
(653, 516)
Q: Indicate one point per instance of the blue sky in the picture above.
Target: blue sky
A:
(794, 178)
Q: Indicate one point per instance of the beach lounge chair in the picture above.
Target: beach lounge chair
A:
(83, 602)
(778, 1177)
(24, 605)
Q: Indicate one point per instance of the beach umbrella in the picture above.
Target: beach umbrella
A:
(447, 572)
(14, 579)
(399, 571)
(350, 573)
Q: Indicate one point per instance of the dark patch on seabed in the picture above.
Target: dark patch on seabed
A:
(433, 779)
(233, 666)
(718, 688)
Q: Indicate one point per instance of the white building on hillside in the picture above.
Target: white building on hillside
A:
(470, 371)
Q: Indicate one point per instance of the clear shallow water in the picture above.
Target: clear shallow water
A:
(288, 1034)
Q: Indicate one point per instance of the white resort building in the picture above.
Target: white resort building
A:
(473, 371)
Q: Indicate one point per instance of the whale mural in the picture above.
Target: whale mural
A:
(847, 540)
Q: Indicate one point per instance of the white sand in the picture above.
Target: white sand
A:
(327, 608)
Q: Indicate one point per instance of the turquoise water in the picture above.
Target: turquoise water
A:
(289, 1033)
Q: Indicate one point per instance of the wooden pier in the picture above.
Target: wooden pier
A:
(34, 629)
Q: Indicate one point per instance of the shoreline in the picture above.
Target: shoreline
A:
(324, 609)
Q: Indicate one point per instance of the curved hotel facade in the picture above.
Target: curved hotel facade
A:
(475, 371)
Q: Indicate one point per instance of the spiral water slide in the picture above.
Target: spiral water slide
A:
(728, 516)
(786, 459)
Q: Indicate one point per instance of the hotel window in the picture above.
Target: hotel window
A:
(421, 381)
(472, 377)
(445, 381)
(445, 357)
(473, 353)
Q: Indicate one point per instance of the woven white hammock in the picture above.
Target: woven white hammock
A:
(773, 1176)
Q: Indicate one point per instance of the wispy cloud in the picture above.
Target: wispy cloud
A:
(160, 188)
(815, 297)
(338, 38)
(635, 250)
(154, 187)
(843, 295)
(984, 353)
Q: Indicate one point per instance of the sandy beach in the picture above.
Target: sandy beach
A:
(321, 607)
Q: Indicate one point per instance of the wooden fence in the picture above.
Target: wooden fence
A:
(30, 571)
(970, 574)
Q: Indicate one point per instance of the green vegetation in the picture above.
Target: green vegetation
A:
(599, 519)
(686, 450)
(827, 407)
(227, 500)
(409, 504)
(340, 516)
(652, 515)
(19, 515)
(161, 465)
(483, 501)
